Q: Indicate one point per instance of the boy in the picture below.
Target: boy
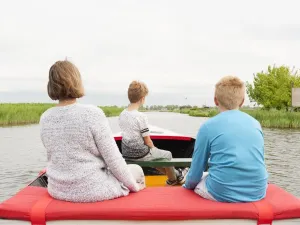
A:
(136, 142)
(234, 142)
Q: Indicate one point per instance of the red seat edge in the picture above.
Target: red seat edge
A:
(38, 207)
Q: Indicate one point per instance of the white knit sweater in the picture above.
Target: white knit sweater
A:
(84, 162)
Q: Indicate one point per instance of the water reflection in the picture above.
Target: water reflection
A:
(282, 157)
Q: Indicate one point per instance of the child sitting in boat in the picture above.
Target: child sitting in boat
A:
(234, 142)
(136, 142)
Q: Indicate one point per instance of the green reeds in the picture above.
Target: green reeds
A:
(112, 110)
(267, 118)
(20, 114)
(203, 112)
(276, 118)
(30, 113)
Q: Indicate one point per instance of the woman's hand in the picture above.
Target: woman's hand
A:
(138, 175)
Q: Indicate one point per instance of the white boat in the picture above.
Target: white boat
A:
(155, 205)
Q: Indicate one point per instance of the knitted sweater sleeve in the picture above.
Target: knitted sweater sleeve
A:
(109, 151)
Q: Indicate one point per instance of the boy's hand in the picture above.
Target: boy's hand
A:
(141, 184)
(185, 187)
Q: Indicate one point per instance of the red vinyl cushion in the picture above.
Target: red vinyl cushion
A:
(157, 203)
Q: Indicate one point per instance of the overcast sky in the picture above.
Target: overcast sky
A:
(179, 48)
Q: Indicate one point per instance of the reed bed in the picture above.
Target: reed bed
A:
(30, 113)
(112, 110)
(203, 112)
(276, 118)
(267, 118)
(21, 114)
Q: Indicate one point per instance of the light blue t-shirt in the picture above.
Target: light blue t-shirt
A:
(234, 144)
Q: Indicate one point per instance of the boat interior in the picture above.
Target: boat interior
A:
(180, 148)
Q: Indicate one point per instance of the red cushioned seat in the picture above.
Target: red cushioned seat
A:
(159, 203)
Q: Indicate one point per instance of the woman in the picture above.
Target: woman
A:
(84, 162)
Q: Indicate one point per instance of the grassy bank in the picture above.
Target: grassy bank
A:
(201, 112)
(111, 110)
(21, 114)
(276, 119)
(270, 119)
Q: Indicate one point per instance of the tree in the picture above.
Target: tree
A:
(272, 89)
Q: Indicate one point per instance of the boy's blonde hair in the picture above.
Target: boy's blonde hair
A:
(230, 92)
(136, 91)
(64, 81)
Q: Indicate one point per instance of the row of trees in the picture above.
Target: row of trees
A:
(272, 88)
(168, 107)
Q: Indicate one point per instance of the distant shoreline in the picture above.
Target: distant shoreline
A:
(16, 114)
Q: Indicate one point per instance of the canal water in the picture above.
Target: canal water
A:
(23, 155)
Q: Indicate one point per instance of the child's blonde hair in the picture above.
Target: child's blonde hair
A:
(136, 91)
(230, 92)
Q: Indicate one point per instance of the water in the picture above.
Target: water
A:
(23, 155)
